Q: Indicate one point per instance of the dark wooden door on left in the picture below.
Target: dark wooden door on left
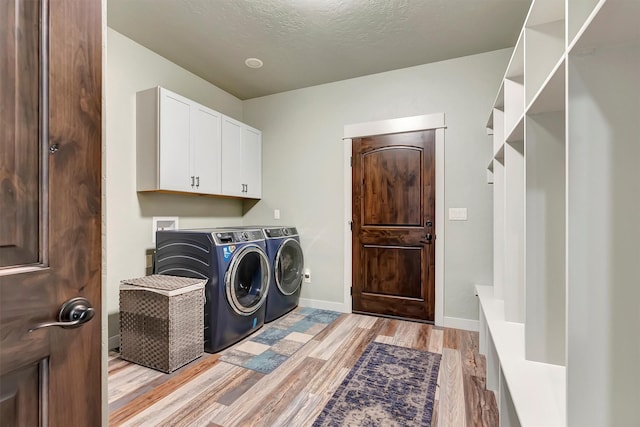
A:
(50, 209)
(393, 235)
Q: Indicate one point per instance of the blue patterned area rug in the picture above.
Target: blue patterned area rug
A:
(277, 341)
(388, 386)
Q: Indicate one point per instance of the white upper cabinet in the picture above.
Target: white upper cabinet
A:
(206, 149)
(174, 145)
(242, 154)
(252, 158)
(181, 148)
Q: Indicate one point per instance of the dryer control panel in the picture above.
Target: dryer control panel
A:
(273, 233)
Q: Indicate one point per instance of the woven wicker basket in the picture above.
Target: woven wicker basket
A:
(161, 321)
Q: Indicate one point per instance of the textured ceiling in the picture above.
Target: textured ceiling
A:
(308, 42)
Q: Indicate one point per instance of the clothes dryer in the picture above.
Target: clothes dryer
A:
(287, 264)
(237, 270)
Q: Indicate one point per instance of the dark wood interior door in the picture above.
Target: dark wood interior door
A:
(50, 211)
(394, 225)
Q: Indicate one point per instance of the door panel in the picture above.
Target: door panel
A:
(393, 225)
(392, 186)
(19, 133)
(19, 390)
(392, 271)
(52, 375)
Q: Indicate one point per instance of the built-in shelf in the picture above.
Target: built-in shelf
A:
(537, 390)
(544, 47)
(545, 242)
(499, 155)
(612, 22)
(498, 103)
(565, 241)
(551, 95)
(515, 69)
(578, 11)
(544, 11)
(498, 132)
(517, 132)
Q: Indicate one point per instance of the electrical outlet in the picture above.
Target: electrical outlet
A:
(307, 275)
(276, 214)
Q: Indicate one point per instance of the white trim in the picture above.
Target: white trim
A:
(460, 323)
(114, 342)
(324, 305)
(404, 124)
(416, 123)
(440, 221)
(347, 226)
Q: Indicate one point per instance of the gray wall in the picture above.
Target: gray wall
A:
(128, 222)
(303, 163)
(303, 172)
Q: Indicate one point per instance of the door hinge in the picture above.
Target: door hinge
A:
(351, 291)
(351, 225)
(350, 161)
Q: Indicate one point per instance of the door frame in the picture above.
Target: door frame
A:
(434, 121)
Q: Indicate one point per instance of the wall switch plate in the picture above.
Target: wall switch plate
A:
(457, 214)
(307, 275)
(160, 223)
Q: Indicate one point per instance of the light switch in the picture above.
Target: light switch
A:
(457, 214)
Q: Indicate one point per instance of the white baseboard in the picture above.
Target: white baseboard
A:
(114, 342)
(459, 323)
(324, 305)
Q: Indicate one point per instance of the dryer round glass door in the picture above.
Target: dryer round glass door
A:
(289, 263)
(247, 280)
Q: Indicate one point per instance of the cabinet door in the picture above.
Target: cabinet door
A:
(206, 149)
(232, 180)
(252, 162)
(174, 143)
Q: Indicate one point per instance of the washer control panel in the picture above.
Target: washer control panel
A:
(223, 237)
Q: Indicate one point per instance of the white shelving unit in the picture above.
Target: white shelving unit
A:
(560, 324)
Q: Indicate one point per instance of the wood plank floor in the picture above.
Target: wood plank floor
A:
(209, 392)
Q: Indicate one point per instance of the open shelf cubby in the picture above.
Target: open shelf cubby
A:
(559, 325)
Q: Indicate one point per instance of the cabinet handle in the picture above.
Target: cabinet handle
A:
(246, 188)
(192, 178)
(197, 181)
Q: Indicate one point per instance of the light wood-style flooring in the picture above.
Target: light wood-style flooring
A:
(209, 392)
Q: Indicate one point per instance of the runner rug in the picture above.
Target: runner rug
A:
(275, 342)
(388, 386)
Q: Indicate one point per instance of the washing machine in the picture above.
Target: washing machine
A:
(287, 264)
(237, 270)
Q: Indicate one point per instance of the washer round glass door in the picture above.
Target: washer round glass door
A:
(247, 280)
(289, 263)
